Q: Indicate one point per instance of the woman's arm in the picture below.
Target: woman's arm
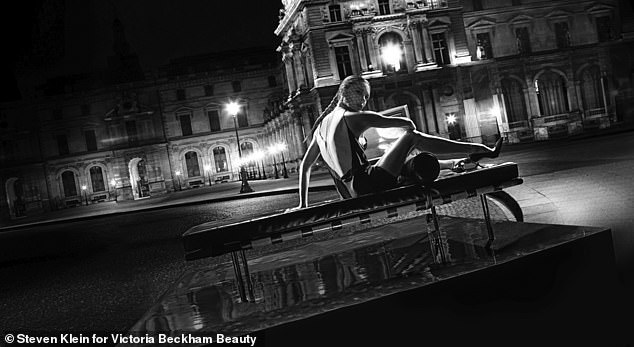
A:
(311, 156)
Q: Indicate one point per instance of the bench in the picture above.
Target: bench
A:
(210, 240)
(222, 179)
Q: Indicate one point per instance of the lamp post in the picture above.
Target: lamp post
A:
(208, 169)
(233, 108)
(83, 189)
(113, 183)
(273, 151)
(178, 179)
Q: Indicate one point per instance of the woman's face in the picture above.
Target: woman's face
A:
(356, 96)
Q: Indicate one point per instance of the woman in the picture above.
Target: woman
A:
(335, 139)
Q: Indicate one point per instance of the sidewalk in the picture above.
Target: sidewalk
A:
(320, 181)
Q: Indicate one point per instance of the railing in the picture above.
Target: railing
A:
(595, 112)
(520, 124)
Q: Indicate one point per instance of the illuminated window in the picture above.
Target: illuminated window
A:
(191, 161)
(485, 51)
(220, 158)
(68, 183)
(441, 50)
(96, 178)
(344, 65)
(392, 53)
(335, 13)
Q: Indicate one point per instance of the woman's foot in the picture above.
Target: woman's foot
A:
(475, 157)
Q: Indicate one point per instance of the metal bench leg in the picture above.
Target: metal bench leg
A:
(437, 247)
(487, 219)
(236, 269)
(247, 274)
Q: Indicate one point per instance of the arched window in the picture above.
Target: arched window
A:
(68, 182)
(220, 158)
(392, 52)
(96, 178)
(247, 148)
(591, 92)
(552, 94)
(514, 100)
(191, 161)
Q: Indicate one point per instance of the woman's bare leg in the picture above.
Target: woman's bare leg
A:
(392, 161)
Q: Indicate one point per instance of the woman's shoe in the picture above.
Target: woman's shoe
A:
(475, 157)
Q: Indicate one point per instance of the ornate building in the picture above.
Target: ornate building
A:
(526, 69)
(85, 139)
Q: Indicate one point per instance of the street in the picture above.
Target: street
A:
(103, 274)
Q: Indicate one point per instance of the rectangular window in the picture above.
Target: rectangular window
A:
(62, 145)
(441, 51)
(237, 86)
(180, 94)
(384, 7)
(603, 29)
(242, 118)
(57, 114)
(562, 34)
(209, 90)
(272, 81)
(130, 128)
(344, 65)
(91, 140)
(186, 124)
(335, 13)
(485, 50)
(523, 41)
(477, 5)
(214, 120)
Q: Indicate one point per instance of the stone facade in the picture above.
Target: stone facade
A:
(167, 132)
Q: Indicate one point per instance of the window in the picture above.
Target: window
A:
(130, 128)
(272, 81)
(523, 40)
(591, 90)
(214, 120)
(485, 51)
(57, 114)
(603, 29)
(180, 94)
(335, 13)
(344, 65)
(477, 5)
(62, 145)
(246, 148)
(562, 35)
(514, 101)
(186, 124)
(68, 183)
(91, 140)
(242, 118)
(85, 109)
(237, 86)
(209, 90)
(96, 178)
(392, 54)
(220, 158)
(384, 7)
(552, 94)
(191, 161)
(441, 51)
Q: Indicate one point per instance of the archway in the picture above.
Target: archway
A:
(138, 178)
(15, 197)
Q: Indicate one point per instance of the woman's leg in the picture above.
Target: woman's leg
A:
(392, 161)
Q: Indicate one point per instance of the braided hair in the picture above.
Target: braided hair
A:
(345, 84)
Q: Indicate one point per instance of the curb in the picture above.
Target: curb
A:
(273, 192)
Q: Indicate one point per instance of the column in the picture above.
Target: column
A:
(429, 57)
(371, 51)
(361, 49)
(415, 34)
(298, 67)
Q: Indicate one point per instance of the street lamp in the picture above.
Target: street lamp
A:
(233, 108)
(84, 188)
(208, 169)
(113, 183)
(273, 150)
(178, 178)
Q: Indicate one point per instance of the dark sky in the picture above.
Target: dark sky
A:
(157, 30)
